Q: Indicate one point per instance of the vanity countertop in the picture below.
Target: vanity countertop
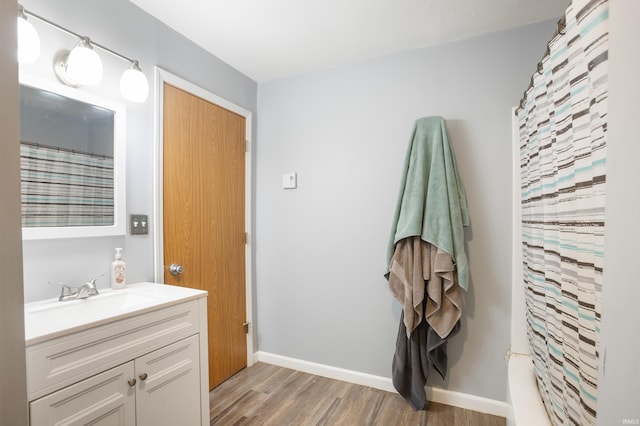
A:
(48, 319)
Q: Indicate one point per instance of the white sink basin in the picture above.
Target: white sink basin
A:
(51, 318)
(106, 303)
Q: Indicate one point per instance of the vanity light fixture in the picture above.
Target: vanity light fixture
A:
(83, 66)
(133, 84)
(28, 39)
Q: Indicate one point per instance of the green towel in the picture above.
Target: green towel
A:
(432, 203)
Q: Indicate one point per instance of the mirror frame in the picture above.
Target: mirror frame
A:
(119, 194)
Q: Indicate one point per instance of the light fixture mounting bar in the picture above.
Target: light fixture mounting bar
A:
(68, 31)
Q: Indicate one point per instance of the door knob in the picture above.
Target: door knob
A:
(143, 376)
(175, 269)
(132, 382)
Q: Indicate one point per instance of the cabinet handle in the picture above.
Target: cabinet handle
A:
(143, 376)
(132, 382)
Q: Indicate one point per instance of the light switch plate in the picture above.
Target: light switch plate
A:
(139, 224)
(289, 180)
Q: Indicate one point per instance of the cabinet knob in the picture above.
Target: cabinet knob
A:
(143, 376)
(132, 382)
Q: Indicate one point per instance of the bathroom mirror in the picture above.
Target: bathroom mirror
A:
(72, 162)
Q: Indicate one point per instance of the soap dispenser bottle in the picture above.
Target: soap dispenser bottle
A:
(118, 271)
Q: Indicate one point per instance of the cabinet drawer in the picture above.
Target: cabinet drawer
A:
(65, 360)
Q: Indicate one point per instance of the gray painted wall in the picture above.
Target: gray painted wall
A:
(321, 248)
(13, 387)
(619, 381)
(125, 28)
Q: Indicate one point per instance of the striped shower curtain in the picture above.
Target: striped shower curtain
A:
(65, 188)
(562, 125)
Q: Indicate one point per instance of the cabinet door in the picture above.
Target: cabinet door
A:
(105, 399)
(168, 390)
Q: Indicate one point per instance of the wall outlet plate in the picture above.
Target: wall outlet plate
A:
(139, 224)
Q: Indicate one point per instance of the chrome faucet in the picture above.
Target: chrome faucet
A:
(66, 293)
(86, 290)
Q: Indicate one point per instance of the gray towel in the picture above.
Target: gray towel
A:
(413, 358)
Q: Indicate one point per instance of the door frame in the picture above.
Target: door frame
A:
(162, 76)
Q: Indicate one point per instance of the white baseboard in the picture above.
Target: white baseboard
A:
(350, 376)
(441, 396)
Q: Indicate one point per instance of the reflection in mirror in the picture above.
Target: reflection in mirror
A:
(66, 153)
(69, 167)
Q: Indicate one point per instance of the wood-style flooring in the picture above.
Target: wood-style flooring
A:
(265, 394)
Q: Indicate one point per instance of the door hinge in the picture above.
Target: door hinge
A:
(246, 146)
(246, 238)
(246, 327)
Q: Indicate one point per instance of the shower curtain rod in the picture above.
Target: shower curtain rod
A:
(562, 23)
(60, 148)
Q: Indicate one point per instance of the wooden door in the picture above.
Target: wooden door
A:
(204, 215)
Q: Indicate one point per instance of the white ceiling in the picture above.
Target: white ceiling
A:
(269, 39)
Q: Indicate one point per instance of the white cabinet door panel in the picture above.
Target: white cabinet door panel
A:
(105, 399)
(168, 389)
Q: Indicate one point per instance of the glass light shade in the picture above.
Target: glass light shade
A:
(134, 85)
(84, 65)
(28, 42)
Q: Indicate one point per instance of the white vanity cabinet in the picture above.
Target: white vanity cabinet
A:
(147, 367)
